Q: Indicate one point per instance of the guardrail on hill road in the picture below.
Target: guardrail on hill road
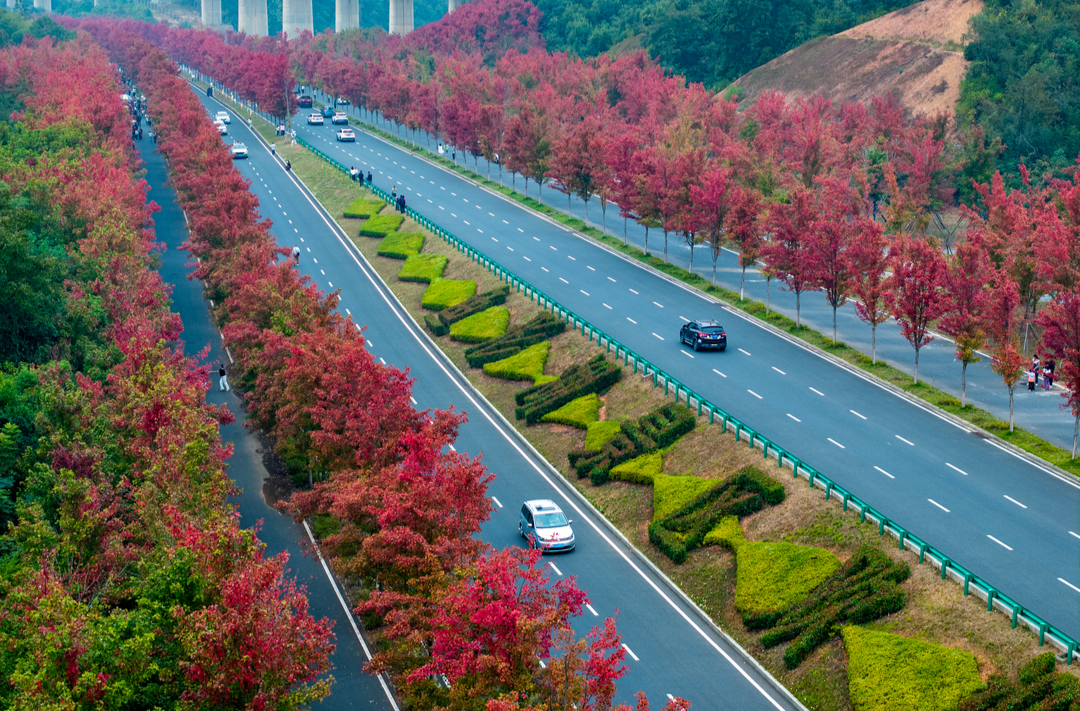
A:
(907, 541)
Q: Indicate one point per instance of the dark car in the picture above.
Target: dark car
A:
(327, 112)
(304, 102)
(704, 334)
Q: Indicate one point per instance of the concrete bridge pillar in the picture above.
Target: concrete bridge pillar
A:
(296, 16)
(45, 5)
(11, 4)
(211, 12)
(251, 17)
(401, 17)
(346, 15)
(453, 5)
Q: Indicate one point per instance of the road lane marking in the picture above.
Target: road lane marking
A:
(658, 304)
(505, 222)
(950, 466)
(631, 320)
(589, 268)
(524, 257)
(1015, 501)
(1077, 535)
(905, 441)
(573, 259)
(606, 306)
(634, 656)
(688, 355)
(551, 245)
(778, 370)
(939, 506)
(332, 286)
(1069, 584)
(554, 568)
(742, 351)
(836, 443)
(718, 373)
(631, 291)
(755, 394)
(610, 279)
(414, 402)
(564, 281)
(522, 231)
(685, 319)
(793, 417)
(885, 472)
(583, 292)
(857, 414)
(467, 222)
(497, 502)
(998, 542)
(818, 392)
(592, 610)
(658, 336)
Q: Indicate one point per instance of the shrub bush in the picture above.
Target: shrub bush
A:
(727, 533)
(401, 245)
(540, 327)
(444, 293)
(380, 225)
(440, 323)
(1038, 688)
(578, 413)
(526, 365)
(595, 376)
(363, 208)
(771, 576)
(670, 493)
(865, 588)
(600, 432)
(490, 323)
(887, 672)
(423, 268)
(640, 470)
(658, 429)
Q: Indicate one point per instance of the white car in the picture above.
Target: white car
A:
(238, 150)
(545, 526)
(339, 118)
(222, 128)
(346, 134)
(315, 120)
(343, 100)
(223, 116)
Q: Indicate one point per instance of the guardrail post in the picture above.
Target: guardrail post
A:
(968, 577)
(945, 563)
(881, 525)
(990, 595)
(862, 512)
(1017, 611)
(903, 536)
(738, 428)
(723, 423)
(699, 407)
(844, 500)
(765, 449)
(922, 552)
(813, 475)
(1042, 632)
(712, 414)
(795, 468)
(780, 458)
(665, 385)
(1069, 653)
(828, 490)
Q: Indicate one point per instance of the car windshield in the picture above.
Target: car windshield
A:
(239, 147)
(711, 329)
(549, 520)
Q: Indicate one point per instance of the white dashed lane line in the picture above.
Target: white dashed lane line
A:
(1069, 584)
(1074, 534)
(564, 281)
(818, 392)
(778, 370)
(885, 472)
(658, 304)
(591, 609)
(718, 373)
(862, 417)
(744, 352)
(589, 268)
(610, 279)
(631, 320)
(559, 572)
(939, 506)
(632, 655)
(688, 355)
(1008, 548)
(755, 394)
(836, 443)
(606, 306)
(793, 417)
(1015, 501)
(658, 336)
(583, 292)
(950, 466)
(573, 259)
(905, 441)
(633, 292)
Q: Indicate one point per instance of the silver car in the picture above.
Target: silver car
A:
(545, 526)
(238, 150)
(223, 116)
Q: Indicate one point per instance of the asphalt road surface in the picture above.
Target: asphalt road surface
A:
(671, 648)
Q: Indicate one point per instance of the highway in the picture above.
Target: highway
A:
(1039, 412)
(671, 648)
(1012, 522)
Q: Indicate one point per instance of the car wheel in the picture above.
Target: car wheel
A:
(722, 348)
(697, 344)
(682, 337)
(521, 531)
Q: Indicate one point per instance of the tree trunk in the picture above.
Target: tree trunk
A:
(665, 245)
(646, 240)
(768, 293)
(624, 221)
(691, 256)
(1076, 429)
(963, 385)
(586, 214)
(526, 185)
(917, 381)
(1011, 391)
(834, 324)
(568, 205)
(742, 285)
(873, 344)
(798, 310)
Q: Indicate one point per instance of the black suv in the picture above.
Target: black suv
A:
(327, 112)
(704, 334)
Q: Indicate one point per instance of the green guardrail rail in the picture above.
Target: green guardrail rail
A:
(908, 541)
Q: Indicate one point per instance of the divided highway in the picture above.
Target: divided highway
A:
(671, 649)
(1014, 523)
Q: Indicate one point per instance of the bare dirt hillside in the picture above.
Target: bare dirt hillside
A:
(917, 53)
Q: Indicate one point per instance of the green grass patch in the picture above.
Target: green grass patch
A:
(444, 293)
(401, 245)
(670, 493)
(599, 433)
(440, 322)
(1038, 688)
(490, 323)
(423, 268)
(380, 225)
(887, 672)
(579, 413)
(526, 365)
(774, 575)
(727, 533)
(363, 208)
(640, 470)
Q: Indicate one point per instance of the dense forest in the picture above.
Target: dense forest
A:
(708, 41)
(1024, 81)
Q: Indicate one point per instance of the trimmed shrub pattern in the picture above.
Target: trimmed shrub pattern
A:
(401, 245)
(490, 323)
(540, 327)
(444, 293)
(363, 208)
(727, 533)
(578, 413)
(423, 268)
(526, 365)
(599, 433)
(595, 376)
(1038, 688)
(380, 225)
(680, 531)
(772, 576)
(671, 493)
(640, 470)
(887, 672)
(440, 323)
(863, 589)
(661, 428)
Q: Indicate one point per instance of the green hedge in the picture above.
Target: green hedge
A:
(440, 323)
(401, 245)
(727, 533)
(578, 413)
(658, 429)
(640, 470)
(526, 365)
(1038, 688)
(380, 225)
(363, 208)
(671, 493)
(595, 376)
(490, 323)
(865, 588)
(771, 576)
(742, 494)
(887, 672)
(444, 293)
(540, 327)
(423, 268)
(599, 433)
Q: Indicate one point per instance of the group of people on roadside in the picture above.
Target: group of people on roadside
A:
(399, 200)
(358, 175)
(1046, 369)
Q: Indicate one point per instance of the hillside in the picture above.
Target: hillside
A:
(915, 52)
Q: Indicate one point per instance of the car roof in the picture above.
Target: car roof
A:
(543, 506)
(707, 322)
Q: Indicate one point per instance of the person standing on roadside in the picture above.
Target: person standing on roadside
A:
(296, 253)
(223, 382)
(369, 177)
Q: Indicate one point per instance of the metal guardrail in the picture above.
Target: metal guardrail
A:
(907, 541)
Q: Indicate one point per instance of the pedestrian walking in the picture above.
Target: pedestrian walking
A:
(1046, 377)
(1031, 381)
(1050, 365)
(1035, 367)
(296, 253)
(223, 382)
(441, 151)
(453, 155)
(394, 193)
(288, 166)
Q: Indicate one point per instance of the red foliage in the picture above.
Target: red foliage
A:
(916, 290)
